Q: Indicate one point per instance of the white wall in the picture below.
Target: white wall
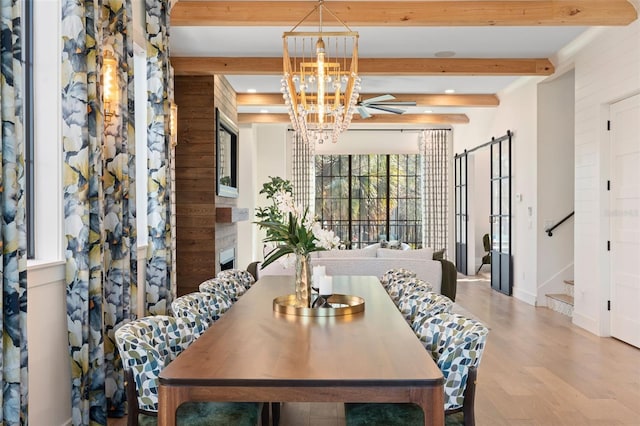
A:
(479, 206)
(49, 366)
(517, 112)
(607, 69)
(272, 158)
(373, 142)
(556, 104)
(248, 244)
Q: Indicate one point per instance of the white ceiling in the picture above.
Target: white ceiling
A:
(385, 42)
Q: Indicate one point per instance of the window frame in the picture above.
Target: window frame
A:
(29, 123)
(346, 195)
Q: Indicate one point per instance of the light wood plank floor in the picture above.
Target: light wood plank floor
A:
(537, 369)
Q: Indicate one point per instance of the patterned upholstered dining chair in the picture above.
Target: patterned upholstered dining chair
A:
(233, 288)
(416, 305)
(395, 274)
(401, 287)
(146, 346)
(244, 277)
(201, 309)
(456, 344)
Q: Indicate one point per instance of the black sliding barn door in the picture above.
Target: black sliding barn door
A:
(500, 217)
(461, 212)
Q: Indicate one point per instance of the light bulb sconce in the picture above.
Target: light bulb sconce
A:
(173, 124)
(109, 85)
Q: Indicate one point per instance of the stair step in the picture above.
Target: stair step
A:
(565, 298)
(568, 282)
(562, 303)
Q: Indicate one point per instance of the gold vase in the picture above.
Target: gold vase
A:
(303, 281)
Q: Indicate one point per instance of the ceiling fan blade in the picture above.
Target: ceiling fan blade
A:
(381, 98)
(363, 112)
(386, 109)
(398, 103)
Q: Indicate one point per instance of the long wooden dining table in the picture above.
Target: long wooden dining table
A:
(256, 354)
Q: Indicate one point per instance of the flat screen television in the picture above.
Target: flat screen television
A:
(226, 156)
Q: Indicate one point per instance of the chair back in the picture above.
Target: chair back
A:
(146, 346)
(420, 303)
(486, 242)
(405, 286)
(395, 274)
(455, 343)
(201, 309)
(232, 288)
(244, 277)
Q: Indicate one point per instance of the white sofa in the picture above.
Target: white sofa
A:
(369, 261)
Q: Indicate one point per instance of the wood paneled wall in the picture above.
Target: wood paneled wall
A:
(199, 240)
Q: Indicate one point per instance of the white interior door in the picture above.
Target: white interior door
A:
(625, 220)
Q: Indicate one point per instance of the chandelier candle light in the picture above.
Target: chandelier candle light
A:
(320, 84)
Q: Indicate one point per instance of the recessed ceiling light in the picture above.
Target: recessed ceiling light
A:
(252, 91)
(445, 54)
(264, 111)
(449, 91)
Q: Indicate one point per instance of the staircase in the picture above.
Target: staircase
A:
(562, 302)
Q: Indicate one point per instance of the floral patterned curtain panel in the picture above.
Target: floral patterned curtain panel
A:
(434, 150)
(159, 80)
(14, 378)
(99, 203)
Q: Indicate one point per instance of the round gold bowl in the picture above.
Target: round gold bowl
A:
(342, 304)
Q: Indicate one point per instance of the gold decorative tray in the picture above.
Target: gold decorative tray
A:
(341, 304)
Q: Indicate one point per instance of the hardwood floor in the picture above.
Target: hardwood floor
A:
(537, 369)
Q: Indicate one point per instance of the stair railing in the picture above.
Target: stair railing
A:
(550, 230)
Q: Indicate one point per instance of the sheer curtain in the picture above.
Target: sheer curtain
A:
(303, 172)
(434, 151)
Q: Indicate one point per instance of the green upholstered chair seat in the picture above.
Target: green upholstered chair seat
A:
(368, 414)
(211, 414)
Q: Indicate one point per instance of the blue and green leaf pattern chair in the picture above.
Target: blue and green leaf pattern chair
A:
(201, 309)
(456, 345)
(234, 289)
(416, 305)
(403, 286)
(395, 274)
(244, 277)
(149, 344)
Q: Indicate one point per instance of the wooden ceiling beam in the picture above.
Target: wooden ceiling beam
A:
(371, 66)
(249, 118)
(408, 13)
(456, 100)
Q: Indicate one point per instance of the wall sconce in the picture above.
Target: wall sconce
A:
(173, 124)
(109, 85)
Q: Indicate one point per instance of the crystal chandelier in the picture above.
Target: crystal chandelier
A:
(320, 84)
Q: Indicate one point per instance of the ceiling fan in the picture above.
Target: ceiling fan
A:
(382, 103)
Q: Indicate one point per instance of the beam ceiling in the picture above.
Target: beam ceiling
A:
(421, 100)
(248, 118)
(370, 66)
(409, 13)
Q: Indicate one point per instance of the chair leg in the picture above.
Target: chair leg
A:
(478, 271)
(265, 414)
(275, 413)
(132, 398)
(468, 405)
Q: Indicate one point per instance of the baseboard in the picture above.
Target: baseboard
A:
(68, 422)
(525, 296)
(589, 324)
